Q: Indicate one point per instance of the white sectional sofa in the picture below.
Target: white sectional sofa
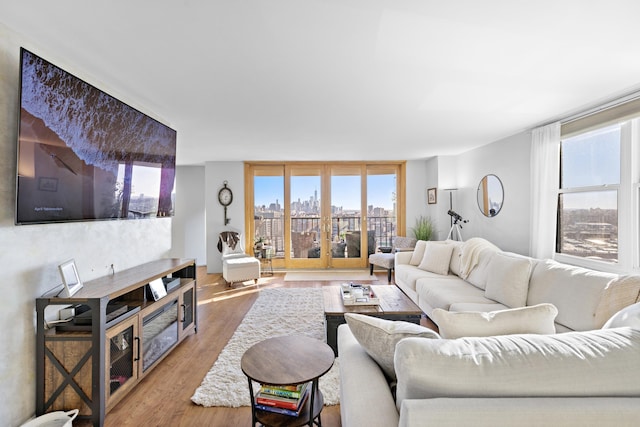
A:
(489, 279)
(572, 379)
(584, 376)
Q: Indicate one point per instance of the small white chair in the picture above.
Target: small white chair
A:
(237, 266)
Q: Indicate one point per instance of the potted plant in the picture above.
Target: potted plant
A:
(258, 243)
(423, 230)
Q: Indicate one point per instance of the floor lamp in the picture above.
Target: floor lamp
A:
(450, 190)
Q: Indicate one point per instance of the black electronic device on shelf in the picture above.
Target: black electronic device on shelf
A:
(170, 283)
(82, 321)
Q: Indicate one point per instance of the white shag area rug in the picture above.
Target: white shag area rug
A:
(313, 276)
(276, 312)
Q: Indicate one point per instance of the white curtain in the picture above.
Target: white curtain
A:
(545, 167)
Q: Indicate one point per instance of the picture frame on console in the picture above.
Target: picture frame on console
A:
(70, 278)
(157, 289)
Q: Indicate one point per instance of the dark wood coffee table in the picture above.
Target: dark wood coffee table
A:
(394, 305)
(290, 359)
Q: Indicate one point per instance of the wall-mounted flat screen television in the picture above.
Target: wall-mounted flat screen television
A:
(83, 155)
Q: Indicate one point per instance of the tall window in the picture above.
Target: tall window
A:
(598, 198)
(268, 213)
(588, 196)
(324, 214)
(381, 204)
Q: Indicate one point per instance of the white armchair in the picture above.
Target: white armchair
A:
(237, 266)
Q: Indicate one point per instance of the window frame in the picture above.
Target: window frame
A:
(627, 201)
(366, 167)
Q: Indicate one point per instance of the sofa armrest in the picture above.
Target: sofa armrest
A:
(403, 257)
(365, 397)
(525, 411)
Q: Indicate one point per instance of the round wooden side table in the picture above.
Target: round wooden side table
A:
(286, 360)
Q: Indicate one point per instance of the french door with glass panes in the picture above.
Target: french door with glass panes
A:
(322, 215)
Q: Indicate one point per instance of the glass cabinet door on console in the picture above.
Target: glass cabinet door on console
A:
(123, 352)
(187, 311)
(159, 333)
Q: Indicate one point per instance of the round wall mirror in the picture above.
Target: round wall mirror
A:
(490, 195)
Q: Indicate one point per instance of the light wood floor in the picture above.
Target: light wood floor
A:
(163, 398)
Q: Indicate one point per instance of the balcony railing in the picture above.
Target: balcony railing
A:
(272, 229)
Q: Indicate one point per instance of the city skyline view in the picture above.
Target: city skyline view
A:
(589, 160)
(269, 189)
(588, 203)
(347, 218)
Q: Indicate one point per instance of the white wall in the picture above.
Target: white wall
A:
(30, 254)
(419, 177)
(509, 160)
(215, 175)
(189, 222)
(447, 193)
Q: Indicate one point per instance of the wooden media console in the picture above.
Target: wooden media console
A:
(91, 364)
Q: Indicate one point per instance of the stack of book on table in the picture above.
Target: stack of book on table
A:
(283, 399)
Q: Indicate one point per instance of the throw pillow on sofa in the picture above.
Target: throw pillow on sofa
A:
(628, 316)
(437, 257)
(508, 279)
(537, 319)
(418, 252)
(619, 293)
(379, 337)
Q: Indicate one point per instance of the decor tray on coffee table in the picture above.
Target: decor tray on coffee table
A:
(353, 294)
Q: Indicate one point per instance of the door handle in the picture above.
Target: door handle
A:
(138, 352)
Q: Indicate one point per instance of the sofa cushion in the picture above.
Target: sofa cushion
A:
(442, 291)
(563, 285)
(619, 293)
(508, 279)
(437, 257)
(473, 306)
(590, 364)
(408, 275)
(379, 337)
(537, 319)
(418, 252)
(628, 316)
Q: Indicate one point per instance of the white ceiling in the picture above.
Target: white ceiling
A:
(341, 79)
